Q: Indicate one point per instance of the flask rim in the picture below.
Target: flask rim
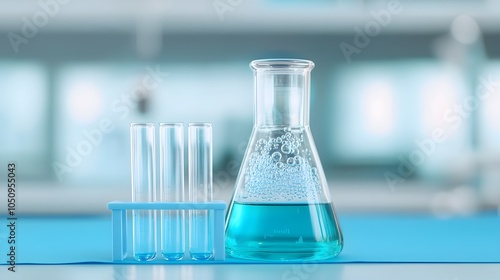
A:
(281, 64)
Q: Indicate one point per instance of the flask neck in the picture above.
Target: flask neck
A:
(282, 97)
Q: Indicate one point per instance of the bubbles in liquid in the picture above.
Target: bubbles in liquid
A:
(314, 171)
(276, 156)
(285, 148)
(269, 178)
(298, 160)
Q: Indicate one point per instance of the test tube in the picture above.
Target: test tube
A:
(200, 189)
(172, 189)
(142, 143)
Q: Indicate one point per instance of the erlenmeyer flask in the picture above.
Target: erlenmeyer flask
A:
(281, 207)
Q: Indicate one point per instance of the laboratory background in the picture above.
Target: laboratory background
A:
(404, 104)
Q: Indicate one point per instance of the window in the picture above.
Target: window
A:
(91, 96)
(23, 108)
(388, 112)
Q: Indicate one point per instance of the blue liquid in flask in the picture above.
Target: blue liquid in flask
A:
(283, 231)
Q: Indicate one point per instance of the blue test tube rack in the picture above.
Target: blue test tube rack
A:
(119, 221)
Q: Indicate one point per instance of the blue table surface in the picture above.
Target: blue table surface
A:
(376, 238)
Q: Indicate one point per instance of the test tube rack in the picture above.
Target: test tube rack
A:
(119, 223)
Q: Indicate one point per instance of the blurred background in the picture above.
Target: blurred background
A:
(405, 95)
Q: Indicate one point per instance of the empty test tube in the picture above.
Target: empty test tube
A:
(200, 189)
(142, 143)
(172, 189)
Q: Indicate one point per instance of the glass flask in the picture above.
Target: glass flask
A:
(281, 207)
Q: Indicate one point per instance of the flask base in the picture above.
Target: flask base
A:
(276, 252)
(282, 231)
